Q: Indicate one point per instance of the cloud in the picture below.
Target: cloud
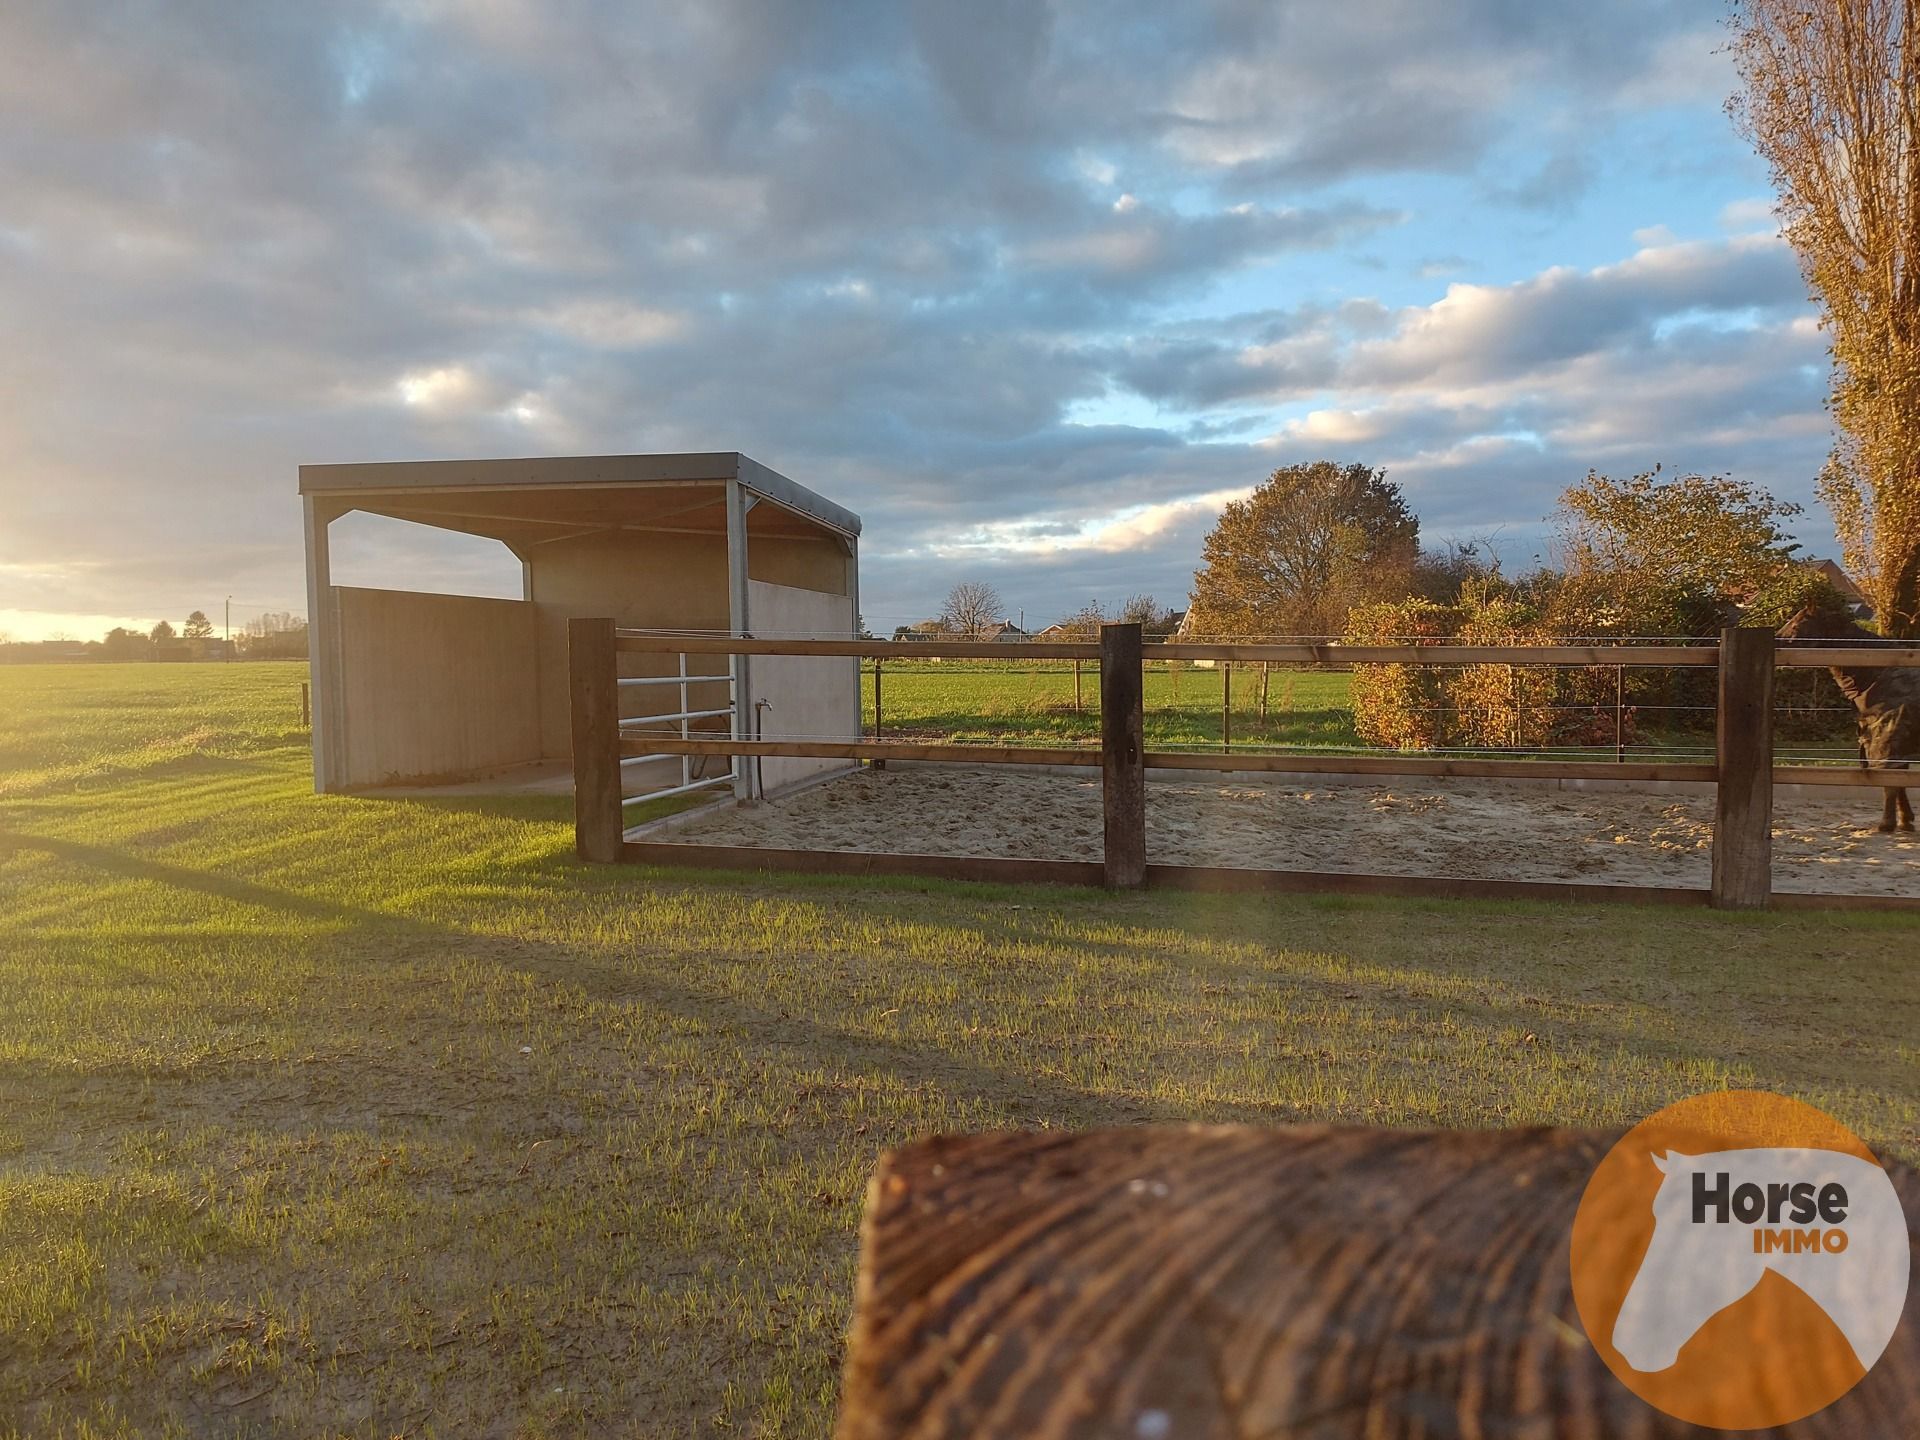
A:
(1755, 213)
(918, 255)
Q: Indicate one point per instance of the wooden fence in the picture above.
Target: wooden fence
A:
(1742, 771)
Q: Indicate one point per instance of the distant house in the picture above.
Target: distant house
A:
(1830, 571)
(1184, 631)
(1005, 632)
(1057, 634)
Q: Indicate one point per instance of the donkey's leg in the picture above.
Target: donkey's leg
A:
(1906, 810)
(1890, 810)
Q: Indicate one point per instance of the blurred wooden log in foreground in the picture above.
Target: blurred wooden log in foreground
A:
(1232, 1282)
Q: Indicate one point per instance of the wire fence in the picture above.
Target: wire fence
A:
(1270, 709)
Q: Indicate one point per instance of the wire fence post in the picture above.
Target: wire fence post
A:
(1226, 706)
(1619, 714)
(1743, 796)
(594, 692)
(1123, 770)
(306, 705)
(880, 763)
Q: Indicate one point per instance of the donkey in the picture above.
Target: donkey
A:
(1887, 699)
(1698, 1264)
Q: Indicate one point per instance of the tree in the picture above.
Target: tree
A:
(1149, 614)
(1308, 544)
(1828, 100)
(1440, 575)
(198, 627)
(1652, 556)
(1085, 623)
(972, 608)
(162, 631)
(124, 644)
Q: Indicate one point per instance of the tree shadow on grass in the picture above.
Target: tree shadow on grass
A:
(1239, 934)
(811, 1040)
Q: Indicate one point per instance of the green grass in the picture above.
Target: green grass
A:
(326, 1115)
(1033, 702)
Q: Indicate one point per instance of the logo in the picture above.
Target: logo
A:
(1740, 1260)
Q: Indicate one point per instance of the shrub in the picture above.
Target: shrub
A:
(1400, 706)
(1421, 707)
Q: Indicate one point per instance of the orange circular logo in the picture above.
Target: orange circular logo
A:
(1740, 1260)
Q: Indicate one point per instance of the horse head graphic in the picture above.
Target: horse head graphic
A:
(1704, 1258)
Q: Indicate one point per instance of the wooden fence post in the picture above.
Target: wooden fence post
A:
(595, 695)
(877, 764)
(1743, 798)
(1123, 770)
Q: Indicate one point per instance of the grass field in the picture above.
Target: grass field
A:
(375, 1117)
(1034, 703)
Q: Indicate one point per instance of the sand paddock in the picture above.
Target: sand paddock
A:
(1517, 830)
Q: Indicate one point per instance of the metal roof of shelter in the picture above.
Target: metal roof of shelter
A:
(525, 502)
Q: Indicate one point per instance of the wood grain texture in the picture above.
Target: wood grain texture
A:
(881, 751)
(988, 868)
(1408, 764)
(1228, 1283)
(1663, 656)
(1208, 878)
(1123, 771)
(861, 750)
(1654, 655)
(594, 708)
(642, 642)
(1743, 800)
(1238, 880)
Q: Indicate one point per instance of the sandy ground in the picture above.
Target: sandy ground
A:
(1504, 830)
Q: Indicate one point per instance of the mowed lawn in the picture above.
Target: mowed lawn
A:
(376, 1117)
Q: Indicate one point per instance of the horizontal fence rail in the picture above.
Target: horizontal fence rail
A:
(1788, 656)
(871, 750)
(1742, 769)
(657, 747)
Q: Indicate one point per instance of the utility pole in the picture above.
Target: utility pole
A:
(229, 654)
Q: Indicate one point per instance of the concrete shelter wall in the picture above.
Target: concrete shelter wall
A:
(643, 579)
(434, 687)
(813, 696)
(803, 562)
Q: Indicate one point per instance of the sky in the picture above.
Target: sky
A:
(1034, 288)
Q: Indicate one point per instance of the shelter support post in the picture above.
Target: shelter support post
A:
(594, 693)
(1123, 769)
(323, 654)
(744, 711)
(1743, 803)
